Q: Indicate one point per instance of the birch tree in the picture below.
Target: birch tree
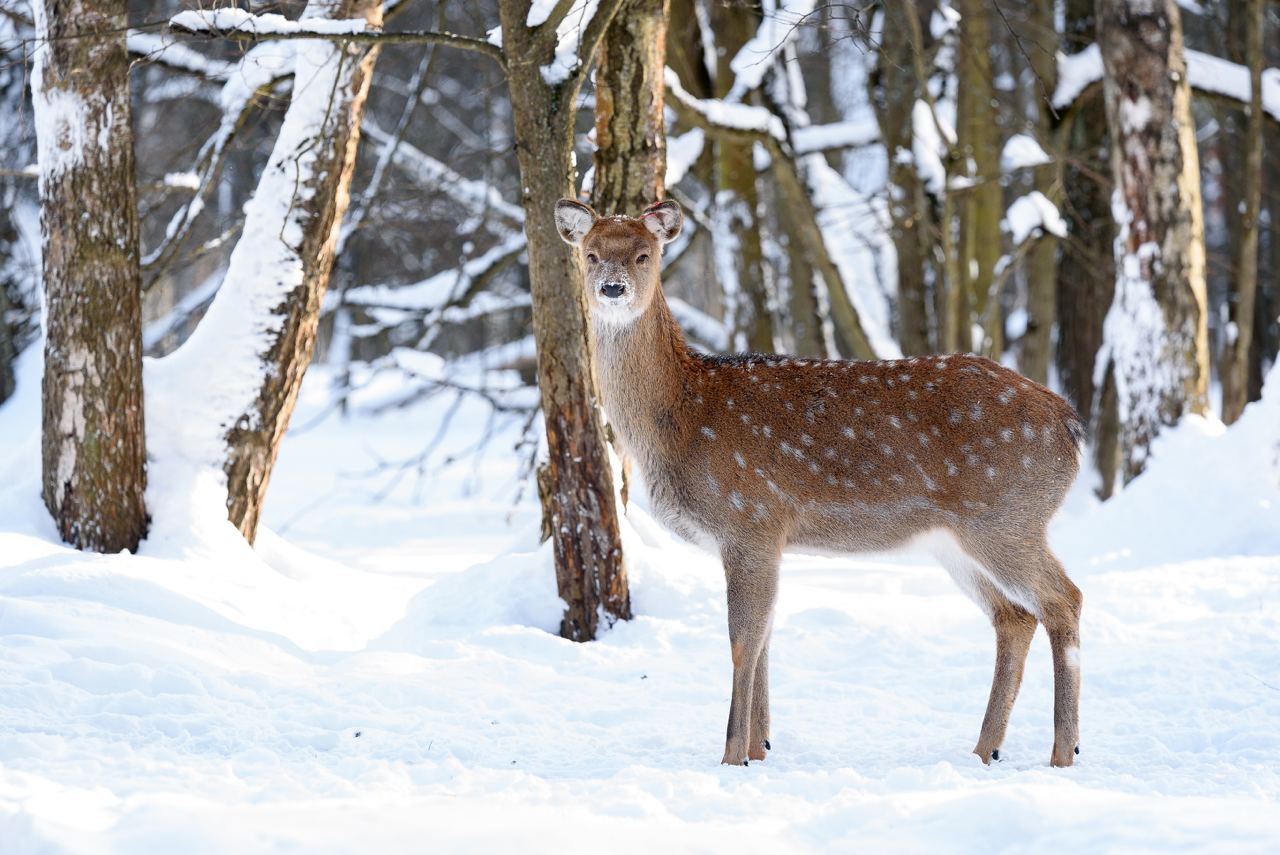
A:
(93, 450)
(1155, 337)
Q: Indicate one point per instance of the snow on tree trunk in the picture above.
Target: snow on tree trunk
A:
(1234, 366)
(1154, 336)
(94, 463)
(590, 573)
(246, 359)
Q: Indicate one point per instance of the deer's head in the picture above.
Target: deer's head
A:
(621, 253)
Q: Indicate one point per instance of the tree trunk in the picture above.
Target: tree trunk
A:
(590, 573)
(893, 93)
(1242, 293)
(739, 254)
(1086, 264)
(1042, 283)
(94, 458)
(631, 140)
(254, 441)
(981, 205)
(1155, 334)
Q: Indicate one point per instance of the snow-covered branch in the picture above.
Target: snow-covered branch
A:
(245, 26)
(1209, 75)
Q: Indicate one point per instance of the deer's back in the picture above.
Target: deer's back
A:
(862, 455)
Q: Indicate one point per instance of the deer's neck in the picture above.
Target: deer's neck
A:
(646, 374)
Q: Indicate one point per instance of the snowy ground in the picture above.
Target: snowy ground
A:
(382, 675)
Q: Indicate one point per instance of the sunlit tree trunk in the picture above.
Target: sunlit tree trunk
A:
(1155, 338)
(94, 461)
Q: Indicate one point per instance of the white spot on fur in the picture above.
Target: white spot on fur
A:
(895, 421)
(991, 473)
(740, 460)
(708, 432)
(735, 499)
(805, 439)
(1006, 435)
(975, 412)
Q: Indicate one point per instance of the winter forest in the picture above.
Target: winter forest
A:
(357, 493)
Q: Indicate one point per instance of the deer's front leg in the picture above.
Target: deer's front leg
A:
(752, 583)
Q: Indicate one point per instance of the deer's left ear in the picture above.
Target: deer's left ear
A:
(574, 220)
(665, 219)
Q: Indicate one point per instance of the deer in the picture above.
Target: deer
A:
(756, 454)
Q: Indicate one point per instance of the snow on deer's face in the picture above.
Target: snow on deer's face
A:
(621, 254)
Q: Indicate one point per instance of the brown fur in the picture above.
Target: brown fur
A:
(754, 454)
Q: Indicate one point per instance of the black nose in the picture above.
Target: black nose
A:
(612, 289)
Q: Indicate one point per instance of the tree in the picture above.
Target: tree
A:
(93, 450)
(981, 202)
(280, 268)
(546, 61)
(1243, 287)
(893, 89)
(1037, 343)
(735, 215)
(631, 150)
(1155, 336)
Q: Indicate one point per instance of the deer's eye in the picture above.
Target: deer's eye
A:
(592, 258)
(642, 259)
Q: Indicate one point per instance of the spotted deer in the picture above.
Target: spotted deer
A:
(755, 454)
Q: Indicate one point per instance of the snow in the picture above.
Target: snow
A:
(1033, 213)
(1022, 151)
(568, 36)
(740, 116)
(849, 134)
(782, 22)
(928, 148)
(238, 20)
(162, 47)
(1206, 72)
(389, 674)
(683, 151)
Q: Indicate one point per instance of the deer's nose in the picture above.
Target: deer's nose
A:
(612, 289)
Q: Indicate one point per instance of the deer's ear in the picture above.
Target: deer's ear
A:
(574, 220)
(665, 219)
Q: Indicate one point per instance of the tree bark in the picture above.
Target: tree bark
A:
(1155, 336)
(1042, 285)
(981, 205)
(93, 450)
(631, 139)
(1243, 289)
(590, 573)
(327, 159)
(739, 254)
(893, 93)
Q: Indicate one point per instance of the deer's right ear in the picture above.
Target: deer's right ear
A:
(574, 220)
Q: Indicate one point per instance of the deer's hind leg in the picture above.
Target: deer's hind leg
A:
(758, 742)
(1014, 627)
(1029, 571)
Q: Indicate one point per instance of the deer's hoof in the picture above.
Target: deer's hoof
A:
(768, 747)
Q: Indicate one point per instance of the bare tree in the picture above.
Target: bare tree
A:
(981, 200)
(279, 269)
(1155, 338)
(94, 461)
(1243, 289)
(547, 61)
